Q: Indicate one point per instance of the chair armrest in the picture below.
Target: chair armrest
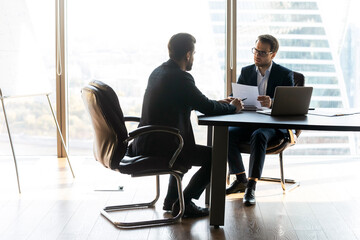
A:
(131, 119)
(153, 128)
(292, 137)
(158, 128)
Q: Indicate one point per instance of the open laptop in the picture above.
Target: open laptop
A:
(290, 101)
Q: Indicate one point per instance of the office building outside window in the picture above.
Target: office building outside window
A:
(318, 39)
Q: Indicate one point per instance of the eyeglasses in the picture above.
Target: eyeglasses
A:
(260, 53)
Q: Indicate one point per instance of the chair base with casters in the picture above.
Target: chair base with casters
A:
(111, 143)
(107, 210)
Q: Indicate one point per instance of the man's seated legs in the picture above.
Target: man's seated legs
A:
(200, 156)
(258, 144)
(172, 194)
(236, 165)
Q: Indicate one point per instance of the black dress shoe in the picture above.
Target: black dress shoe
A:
(191, 210)
(235, 187)
(249, 197)
(168, 204)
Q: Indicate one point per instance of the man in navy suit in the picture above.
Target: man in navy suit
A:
(170, 96)
(266, 75)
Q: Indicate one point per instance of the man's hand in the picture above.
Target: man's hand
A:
(226, 100)
(237, 103)
(265, 101)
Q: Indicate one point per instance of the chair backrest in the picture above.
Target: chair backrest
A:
(108, 123)
(299, 79)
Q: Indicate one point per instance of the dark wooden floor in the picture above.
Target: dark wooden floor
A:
(53, 205)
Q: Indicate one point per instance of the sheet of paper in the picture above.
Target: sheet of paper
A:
(249, 92)
(334, 112)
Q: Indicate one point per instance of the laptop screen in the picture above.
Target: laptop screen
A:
(291, 100)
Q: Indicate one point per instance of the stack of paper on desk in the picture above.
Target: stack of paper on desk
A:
(251, 94)
(335, 112)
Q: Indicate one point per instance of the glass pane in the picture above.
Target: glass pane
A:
(27, 66)
(121, 42)
(318, 39)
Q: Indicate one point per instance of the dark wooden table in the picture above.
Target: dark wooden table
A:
(220, 126)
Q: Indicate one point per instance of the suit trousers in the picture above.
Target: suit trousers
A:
(198, 156)
(258, 139)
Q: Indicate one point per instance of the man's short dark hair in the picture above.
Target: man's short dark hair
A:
(180, 44)
(269, 39)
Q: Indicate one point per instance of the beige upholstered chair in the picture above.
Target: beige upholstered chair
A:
(110, 146)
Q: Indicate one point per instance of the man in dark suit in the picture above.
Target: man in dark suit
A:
(169, 98)
(266, 75)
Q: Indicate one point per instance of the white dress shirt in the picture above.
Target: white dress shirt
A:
(262, 81)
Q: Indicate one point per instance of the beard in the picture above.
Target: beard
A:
(262, 62)
(266, 64)
(188, 66)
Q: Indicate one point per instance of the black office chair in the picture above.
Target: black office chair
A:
(110, 146)
(279, 146)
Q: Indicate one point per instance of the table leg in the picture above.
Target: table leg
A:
(218, 175)
(209, 143)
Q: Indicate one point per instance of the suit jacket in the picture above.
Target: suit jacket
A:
(279, 76)
(169, 98)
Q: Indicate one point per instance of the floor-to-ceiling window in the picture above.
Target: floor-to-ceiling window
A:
(317, 38)
(27, 65)
(121, 42)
